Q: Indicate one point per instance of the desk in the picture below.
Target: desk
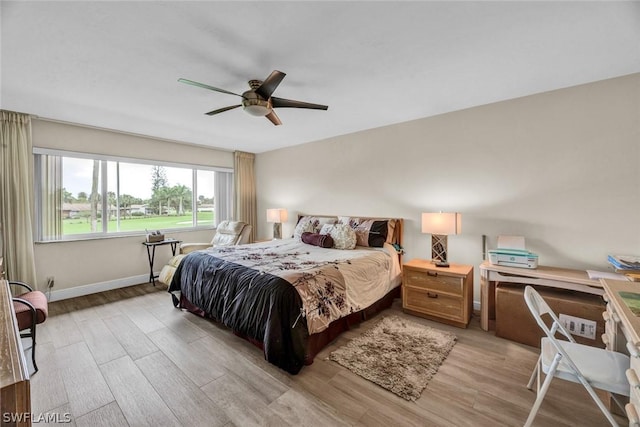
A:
(553, 277)
(151, 254)
(15, 397)
(622, 334)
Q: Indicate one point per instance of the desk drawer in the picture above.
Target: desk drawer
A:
(433, 280)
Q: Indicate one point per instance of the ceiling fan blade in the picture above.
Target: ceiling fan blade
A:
(290, 103)
(274, 118)
(202, 85)
(270, 84)
(222, 110)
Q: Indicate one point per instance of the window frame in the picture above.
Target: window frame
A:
(105, 234)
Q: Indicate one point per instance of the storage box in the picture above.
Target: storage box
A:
(514, 321)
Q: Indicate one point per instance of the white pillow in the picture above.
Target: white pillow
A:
(326, 228)
(306, 224)
(344, 237)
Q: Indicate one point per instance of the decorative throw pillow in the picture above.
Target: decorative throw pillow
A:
(305, 224)
(372, 233)
(326, 228)
(344, 237)
(315, 239)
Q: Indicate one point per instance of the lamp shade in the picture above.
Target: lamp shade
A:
(442, 223)
(276, 215)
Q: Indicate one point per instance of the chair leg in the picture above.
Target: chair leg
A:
(599, 402)
(33, 348)
(543, 390)
(534, 374)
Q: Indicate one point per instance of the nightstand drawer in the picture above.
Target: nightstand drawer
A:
(433, 280)
(433, 302)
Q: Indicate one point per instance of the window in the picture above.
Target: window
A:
(87, 196)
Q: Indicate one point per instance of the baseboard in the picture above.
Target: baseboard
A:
(476, 306)
(93, 288)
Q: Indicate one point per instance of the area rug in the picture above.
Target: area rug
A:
(397, 354)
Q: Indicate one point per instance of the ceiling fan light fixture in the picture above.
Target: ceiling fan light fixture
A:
(255, 105)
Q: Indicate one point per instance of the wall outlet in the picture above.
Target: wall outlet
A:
(578, 326)
(50, 282)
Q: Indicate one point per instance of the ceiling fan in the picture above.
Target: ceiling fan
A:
(258, 101)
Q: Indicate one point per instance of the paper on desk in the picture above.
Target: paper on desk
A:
(511, 242)
(593, 274)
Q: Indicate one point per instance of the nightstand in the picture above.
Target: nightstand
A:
(438, 293)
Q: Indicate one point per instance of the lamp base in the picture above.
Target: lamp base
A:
(443, 264)
(277, 231)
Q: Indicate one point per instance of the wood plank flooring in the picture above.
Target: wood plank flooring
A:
(128, 357)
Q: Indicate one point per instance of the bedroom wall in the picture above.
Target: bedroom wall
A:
(87, 266)
(560, 168)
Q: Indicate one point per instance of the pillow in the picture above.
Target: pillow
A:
(326, 228)
(369, 232)
(315, 239)
(305, 224)
(372, 233)
(344, 237)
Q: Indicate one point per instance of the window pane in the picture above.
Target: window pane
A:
(81, 207)
(205, 201)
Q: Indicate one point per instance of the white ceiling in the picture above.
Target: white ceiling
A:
(116, 64)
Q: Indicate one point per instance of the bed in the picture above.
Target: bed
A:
(292, 298)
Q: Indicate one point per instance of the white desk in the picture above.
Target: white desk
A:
(560, 278)
(622, 333)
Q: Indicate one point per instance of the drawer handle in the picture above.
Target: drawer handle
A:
(432, 273)
(606, 316)
(605, 340)
(432, 295)
(605, 297)
(632, 414)
(615, 317)
(632, 377)
(633, 351)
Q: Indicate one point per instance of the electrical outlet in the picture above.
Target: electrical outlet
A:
(50, 282)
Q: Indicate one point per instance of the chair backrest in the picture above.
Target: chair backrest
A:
(539, 307)
(231, 233)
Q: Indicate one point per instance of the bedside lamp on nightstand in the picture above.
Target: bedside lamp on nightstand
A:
(277, 217)
(440, 225)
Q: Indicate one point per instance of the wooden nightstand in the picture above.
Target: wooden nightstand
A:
(441, 294)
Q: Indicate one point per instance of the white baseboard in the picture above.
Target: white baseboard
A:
(476, 306)
(93, 288)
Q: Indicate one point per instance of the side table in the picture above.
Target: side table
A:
(151, 254)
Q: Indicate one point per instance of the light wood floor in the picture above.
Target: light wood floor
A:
(128, 357)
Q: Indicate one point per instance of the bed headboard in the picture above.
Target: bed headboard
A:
(397, 229)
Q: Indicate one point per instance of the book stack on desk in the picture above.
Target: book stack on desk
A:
(626, 264)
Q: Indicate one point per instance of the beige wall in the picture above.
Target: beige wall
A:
(560, 168)
(107, 263)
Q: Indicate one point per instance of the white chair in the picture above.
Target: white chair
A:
(591, 366)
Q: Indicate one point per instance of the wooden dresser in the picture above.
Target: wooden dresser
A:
(443, 294)
(15, 395)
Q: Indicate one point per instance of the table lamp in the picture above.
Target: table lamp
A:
(277, 217)
(440, 225)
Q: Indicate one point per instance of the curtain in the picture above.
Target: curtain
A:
(245, 186)
(222, 195)
(49, 183)
(16, 196)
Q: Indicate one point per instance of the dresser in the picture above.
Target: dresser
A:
(15, 398)
(443, 294)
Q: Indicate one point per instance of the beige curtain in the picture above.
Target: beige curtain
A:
(16, 196)
(245, 187)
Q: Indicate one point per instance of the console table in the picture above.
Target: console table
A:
(560, 278)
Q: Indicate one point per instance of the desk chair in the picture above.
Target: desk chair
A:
(31, 308)
(590, 366)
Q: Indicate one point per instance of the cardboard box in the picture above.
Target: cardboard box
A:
(514, 321)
